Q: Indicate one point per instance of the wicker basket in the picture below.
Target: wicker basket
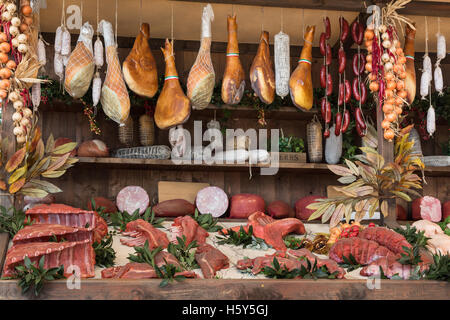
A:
(146, 130)
(314, 140)
(126, 133)
(149, 152)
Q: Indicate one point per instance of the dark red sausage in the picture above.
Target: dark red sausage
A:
(361, 131)
(358, 70)
(328, 112)
(328, 55)
(344, 28)
(341, 94)
(348, 91)
(323, 107)
(346, 121)
(355, 87)
(363, 93)
(338, 123)
(322, 43)
(359, 119)
(326, 133)
(361, 33)
(327, 24)
(342, 60)
(329, 85)
(323, 76)
(354, 28)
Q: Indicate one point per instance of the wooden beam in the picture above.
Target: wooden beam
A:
(419, 8)
(4, 241)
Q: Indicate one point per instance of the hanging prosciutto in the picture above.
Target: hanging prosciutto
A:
(300, 84)
(139, 68)
(233, 83)
(410, 80)
(172, 107)
(262, 77)
(201, 79)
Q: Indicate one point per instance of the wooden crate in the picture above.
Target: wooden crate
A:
(291, 157)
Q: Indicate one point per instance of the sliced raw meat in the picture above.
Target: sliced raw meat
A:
(188, 227)
(44, 232)
(78, 253)
(108, 205)
(331, 265)
(280, 209)
(301, 212)
(136, 270)
(143, 231)
(258, 264)
(174, 208)
(243, 205)
(427, 208)
(429, 228)
(212, 200)
(210, 260)
(364, 251)
(385, 237)
(439, 243)
(132, 198)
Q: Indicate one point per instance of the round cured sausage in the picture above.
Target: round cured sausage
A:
(212, 200)
(132, 198)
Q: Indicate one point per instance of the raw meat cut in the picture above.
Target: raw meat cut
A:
(136, 270)
(173, 107)
(68, 216)
(331, 265)
(210, 260)
(300, 83)
(364, 251)
(410, 80)
(139, 68)
(428, 208)
(445, 210)
(429, 227)
(212, 200)
(385, 237)
(114, 99)
(439, 243)
(188, 227)
(93, 148)
(80, 66)
(174, 208)
(301, 212)
(44, 232)
(143, 231)
(233, 83)
(280, 209)
(258, 264)
(78, 253)
(107, 205)
(201, 78)
(262, 77)
(243, 205)
(132, 198)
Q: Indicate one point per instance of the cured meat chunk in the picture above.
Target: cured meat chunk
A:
(44, 232)
(132, 198)
(262, 77)
(136, 270)
(174, 208)
(280, 209)
(410, 81)
(212, 200)
(385, 237)
(107, 205)
(243, 205)
(143, 231)
(331, 265)
(210, 260)
(301, 212)
(188, 227)
(427, 208)
(76, 253)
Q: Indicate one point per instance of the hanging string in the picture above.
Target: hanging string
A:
(116, 21)
(426, 36)
(140, 13)
(439, 25)
(282, 19)
(63, 18)
(232, 10)
(97, 18)
(262, 20)
(81, 6)
(171, 23)
(303, 25)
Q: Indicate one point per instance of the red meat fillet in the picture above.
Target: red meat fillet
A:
(143, 231)
(210, 260)
(385, 237)
(78, 253)
(188, 227)
(44, 232)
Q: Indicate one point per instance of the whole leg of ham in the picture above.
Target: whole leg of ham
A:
(114, 98)
(233, 83)
(262, 76)
(410, 80)
(173, 107)
(139, 68)
(300, 83)
(201, 79)
(80, 66)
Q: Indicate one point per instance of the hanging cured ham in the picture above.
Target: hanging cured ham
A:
(173, 107)
(233, 83)
(80, 67)
(300, 84)
(139, 68)
(410, 80)
(201, 79)
(114, 99)
(262, 76)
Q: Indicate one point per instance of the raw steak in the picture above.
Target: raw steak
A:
(364, 251)
(331, 265)
(385, 237)
(188, 227)
(132, 198)
(210, 260)
(43, 233)
(79, 253)
(143, 231)
(212, 200)
(136, 270)
(428, 208)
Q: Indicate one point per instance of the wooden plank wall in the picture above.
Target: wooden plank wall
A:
(83, 182)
